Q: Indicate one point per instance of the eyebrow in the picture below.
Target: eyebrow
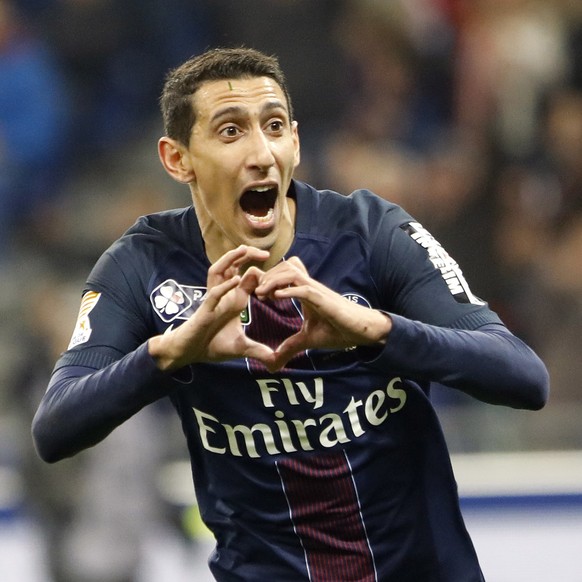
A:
(238, 111)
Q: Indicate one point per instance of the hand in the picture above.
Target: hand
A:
(214, 332)
(330, 321)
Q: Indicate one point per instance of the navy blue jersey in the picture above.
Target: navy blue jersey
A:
(335, 468)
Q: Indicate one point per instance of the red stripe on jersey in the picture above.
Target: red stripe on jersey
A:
(325, 510)
(272, 322)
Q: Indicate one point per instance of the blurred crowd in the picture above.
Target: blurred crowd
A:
(468, 113)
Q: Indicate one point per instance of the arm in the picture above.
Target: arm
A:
(82, 406)
(489, 363)
(89, 394)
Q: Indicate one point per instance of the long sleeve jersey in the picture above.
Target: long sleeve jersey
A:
(334, 468)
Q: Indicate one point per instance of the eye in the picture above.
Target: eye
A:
(276, 126)
(229, 131)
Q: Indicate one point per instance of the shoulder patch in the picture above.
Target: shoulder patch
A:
(448, 267)
(171, 300)
(82, 331)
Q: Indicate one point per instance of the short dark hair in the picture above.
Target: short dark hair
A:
(215, 64)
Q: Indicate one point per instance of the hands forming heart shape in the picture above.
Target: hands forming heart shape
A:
(215, 332)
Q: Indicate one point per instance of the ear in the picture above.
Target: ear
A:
(175, 159)
(295, 134)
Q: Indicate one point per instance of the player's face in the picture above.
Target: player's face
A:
(243, 150)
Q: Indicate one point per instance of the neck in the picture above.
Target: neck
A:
(286, 235)
(216, 243)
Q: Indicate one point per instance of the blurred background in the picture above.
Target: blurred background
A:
(468, 113)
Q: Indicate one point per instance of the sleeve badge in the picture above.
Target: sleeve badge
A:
(83, 330)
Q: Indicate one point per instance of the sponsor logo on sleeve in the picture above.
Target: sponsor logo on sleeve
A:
(83, 329)
(442, 261)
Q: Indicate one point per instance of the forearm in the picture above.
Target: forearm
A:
(490, 364)
(82, 406)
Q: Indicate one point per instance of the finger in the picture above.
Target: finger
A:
(228, 259)
(260, 352)
(289, 348)
(251, 255)
(272, 280)
(297, 263)
(216, 294)
(229, 263)
(250, 279)
(292, 266)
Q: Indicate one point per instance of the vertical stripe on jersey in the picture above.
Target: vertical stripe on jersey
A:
(272, 322)
(325, 512)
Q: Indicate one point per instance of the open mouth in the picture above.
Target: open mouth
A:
(259, 203)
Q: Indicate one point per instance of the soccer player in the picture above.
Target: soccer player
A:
(297, 333)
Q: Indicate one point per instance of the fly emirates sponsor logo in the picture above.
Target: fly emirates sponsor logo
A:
(289, 435)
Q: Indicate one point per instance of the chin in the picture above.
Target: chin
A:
(261, 243)
(262, 239)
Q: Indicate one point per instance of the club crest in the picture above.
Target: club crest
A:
(355, 298)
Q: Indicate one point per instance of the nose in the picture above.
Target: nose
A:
(260, 155)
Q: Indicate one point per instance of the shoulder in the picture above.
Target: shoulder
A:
(157, 234)
(148, 244)
(361, 211)
(362, 197)
(171, 224)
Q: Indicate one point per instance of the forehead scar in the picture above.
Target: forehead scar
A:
(230, 85)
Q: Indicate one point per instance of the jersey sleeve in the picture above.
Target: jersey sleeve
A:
(83, 405)
(107, 374)
(441, 331)
(110, 322)
(419, 280)
(490, 364)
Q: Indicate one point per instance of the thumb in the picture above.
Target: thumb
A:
(288, 349)
(250, 280)
(260, 352)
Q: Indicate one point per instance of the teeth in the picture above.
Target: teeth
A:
(262, 188)
(265, 218)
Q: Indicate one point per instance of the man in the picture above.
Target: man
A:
(297, 333)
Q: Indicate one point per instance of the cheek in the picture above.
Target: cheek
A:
(211, 183)
(294, 155)
(288, 158)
